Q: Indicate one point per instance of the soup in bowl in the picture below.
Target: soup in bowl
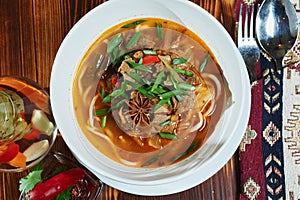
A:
(150, 92)
(149, 99)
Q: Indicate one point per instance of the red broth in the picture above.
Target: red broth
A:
(148, 93)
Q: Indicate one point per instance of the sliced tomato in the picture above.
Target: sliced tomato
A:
(7, 154)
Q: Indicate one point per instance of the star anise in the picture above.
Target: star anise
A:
(139, 109)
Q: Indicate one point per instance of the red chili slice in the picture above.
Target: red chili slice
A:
(34, 134)
(150, 59)
(56, 184)
(8, 152)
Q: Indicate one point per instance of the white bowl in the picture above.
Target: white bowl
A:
(216, 151)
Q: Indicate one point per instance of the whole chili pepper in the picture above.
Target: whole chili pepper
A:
(55, 185)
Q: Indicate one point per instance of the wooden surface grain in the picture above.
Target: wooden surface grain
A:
(31, 32)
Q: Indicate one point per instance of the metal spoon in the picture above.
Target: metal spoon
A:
(276, 28)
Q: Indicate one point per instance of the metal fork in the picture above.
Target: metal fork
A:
(246, 41)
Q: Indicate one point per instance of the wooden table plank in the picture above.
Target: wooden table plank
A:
(31, 32)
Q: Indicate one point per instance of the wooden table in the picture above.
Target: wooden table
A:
(31, 32)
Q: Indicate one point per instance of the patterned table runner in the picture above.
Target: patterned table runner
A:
(270, 150)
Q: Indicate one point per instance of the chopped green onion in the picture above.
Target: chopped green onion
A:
(117, 93)
(184, 72)
(102, 92)
(103, 124)
(141, 89)
(191, 148)
(165, 123)
(159, 90)
(186, 86)
(118, 105)
(204, 63)
(102, 111)
(172, 93)
(178, 61)
(149, 52)
(168, 136)
(138, 66)
(179, 98)
(106, 99)
(133, 23)
(126, 57)
(135, 76)
(115, 41)
(152, 160)
(134, 39)
(160, 103)
(159, 31)
(158, 80)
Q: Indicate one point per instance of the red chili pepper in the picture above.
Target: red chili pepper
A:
(150, 59)
(7, 153)
(23, 115)
(114, 80)
(56, 184)
(34, 134)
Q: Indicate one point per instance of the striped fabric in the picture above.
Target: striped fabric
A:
(270, 150)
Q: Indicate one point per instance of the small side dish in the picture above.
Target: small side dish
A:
(58, 177)
(27, 127)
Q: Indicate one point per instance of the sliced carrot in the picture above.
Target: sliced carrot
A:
(18, 161)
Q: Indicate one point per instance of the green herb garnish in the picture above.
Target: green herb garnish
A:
(149, 52)
(172, 93)
(165, 123)
(103, 124)
(159, 31)
(154, 159)
(138, 66)
(133, 23)
(115, 41)
(191, 148)
(157, 81)
(178, 61)
(186, 86)
(168, 136)
(204, 63)
(184, 72)
(30, 181)
(133, 41)
(102, 111)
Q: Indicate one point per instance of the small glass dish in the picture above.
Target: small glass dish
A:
(27, 126)
(88, 188)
